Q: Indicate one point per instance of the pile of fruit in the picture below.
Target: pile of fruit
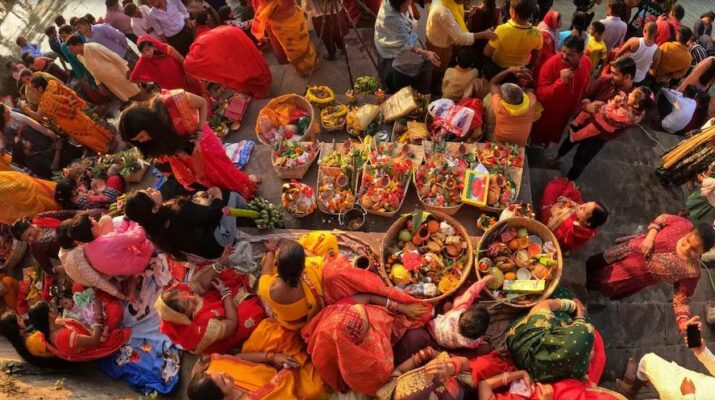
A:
(517, 259)
(383, 187)
(293, 153)
(502, 189)
(320, 95)
(333, 117)
(440, 180)
(400, 155)
(428, 257)
(496, 154)
(336, 193)
(269, 216)
(298, 199)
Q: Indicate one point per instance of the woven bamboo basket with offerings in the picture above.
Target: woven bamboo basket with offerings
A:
(426, 254)
(339, 170)
(334, 117)
(292, 159)
(277, 120)
(524, 258)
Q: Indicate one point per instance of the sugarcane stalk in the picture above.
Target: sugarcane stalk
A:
(241, 213)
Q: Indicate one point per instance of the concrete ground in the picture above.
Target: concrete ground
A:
(622, 177)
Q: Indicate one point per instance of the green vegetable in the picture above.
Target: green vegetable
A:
(366, 85)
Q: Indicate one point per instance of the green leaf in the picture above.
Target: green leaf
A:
(417, 219)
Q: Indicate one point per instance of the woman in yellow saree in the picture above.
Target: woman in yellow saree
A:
(294, 294)
(63, 106)
(24, 196)
(290, 27)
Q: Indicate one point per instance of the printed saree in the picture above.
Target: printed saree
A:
(64, 107)
(201, 333)
(351, 344)
(550, 345)
(24, 196)
(208, 165)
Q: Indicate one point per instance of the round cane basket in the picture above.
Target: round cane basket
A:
(535, 228)
(295, 172)
(300, 102)
(451, 210)
(391, 236)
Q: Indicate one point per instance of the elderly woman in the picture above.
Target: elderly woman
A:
(669, 252)
(213, 313)
(71, 340)
(447, 28)
(550, 344)
(400, 57)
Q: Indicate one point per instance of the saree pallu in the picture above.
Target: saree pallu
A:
(65, 344)
(559, 203)
(24, 196)
(256, 381)
(302, 382)
(167, 72)
(226, 55)
(291, 32)
(551, 346)
(201, 334)
(351, 344)
(5, 161)
(208, 164)
(64, 107)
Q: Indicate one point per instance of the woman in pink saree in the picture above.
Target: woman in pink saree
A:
(350, 341)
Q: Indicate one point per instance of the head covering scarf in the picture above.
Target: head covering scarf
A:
(550, 24)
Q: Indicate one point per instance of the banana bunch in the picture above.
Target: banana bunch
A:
(333, 116)
(366, 85)
(270, 216)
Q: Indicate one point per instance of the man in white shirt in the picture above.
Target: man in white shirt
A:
(677, 109)
(173, 21)
(615, 30)
(142, 22)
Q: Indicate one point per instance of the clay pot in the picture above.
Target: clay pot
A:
(433, 226)
(424, 232)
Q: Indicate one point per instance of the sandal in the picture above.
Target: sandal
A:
(630, 385)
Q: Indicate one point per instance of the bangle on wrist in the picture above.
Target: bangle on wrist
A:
(271, 356)
(217, 267)
(226, 293)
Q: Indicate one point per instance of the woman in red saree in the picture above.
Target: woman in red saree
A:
(209, 315)
(172, 128)
(226, 55)
(350, 341)
(566, 389)
(549, 28)
(669, 252)
(162, 64)
(573, 221)
(73, 341)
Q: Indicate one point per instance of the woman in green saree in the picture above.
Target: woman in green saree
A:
(551, 345)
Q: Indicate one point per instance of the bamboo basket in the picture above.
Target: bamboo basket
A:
(405, 180)
(299, 101)
(295, 172)
(325, 150)
(534, 227)
(398, 225)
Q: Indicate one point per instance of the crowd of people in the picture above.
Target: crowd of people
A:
(134, 286)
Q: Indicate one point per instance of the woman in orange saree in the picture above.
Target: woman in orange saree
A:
(63, 106)
(172, 128)
(73, 341)
(206, 317)
(289, 26)
(350, 341)
(24, 196)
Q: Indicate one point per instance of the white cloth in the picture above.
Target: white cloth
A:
(683, 110)
(146, 25)
(615, 31)
(171, 21)
(443, 30)
(643, 57)
(666, 376)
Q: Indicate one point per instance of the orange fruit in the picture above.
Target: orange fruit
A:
(510, 276)
(513, 244)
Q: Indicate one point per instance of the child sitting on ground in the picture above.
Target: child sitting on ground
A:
(463, 80)
(464, 324)
(622, 111)
(596, 48)
(85, 304)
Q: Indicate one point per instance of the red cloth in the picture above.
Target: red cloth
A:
(560, 101)
(226, 55)
(249, 313)
(208, 164)
(570, 236)
(65, 343)
(476, 105)
(489, 365)
(117, 183)
(549, 29)
(351, 344)
(167, 72)
(666, 30)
